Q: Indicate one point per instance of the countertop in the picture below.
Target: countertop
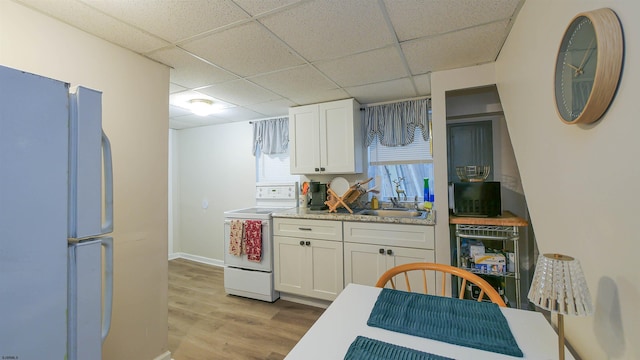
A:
(344, 215)
(506, 219)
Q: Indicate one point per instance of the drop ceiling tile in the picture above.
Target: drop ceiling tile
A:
(246, 50)
(239, 92)
(364, 68)
(385, 91)
(324, 29)
(189, 71)
(177, 124)
(463, 48)
(173, 20)
(272, 108)
(175, 111)
(313, 97)
(301, 85)
(255, 8)
(238, 114)
(412, 19)
(94, 22)
(190, 121)
(423, 83)
(175, 88)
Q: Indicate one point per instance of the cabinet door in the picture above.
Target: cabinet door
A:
(401, 256)
(324, 269)
(340, 137)
(304, 144)
(289, 265)
(363, 263)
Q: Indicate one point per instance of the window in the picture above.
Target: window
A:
(270, 147)
(401, 168)
(273, 168)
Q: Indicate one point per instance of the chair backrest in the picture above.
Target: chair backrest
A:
(486, 290)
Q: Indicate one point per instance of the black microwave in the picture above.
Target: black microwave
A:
(480, 199)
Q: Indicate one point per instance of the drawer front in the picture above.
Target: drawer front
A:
(308, 229)
(414, 236)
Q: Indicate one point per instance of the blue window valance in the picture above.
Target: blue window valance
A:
(271, 136)
(394, 124)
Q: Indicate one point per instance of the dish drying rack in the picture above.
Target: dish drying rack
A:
(351, 195)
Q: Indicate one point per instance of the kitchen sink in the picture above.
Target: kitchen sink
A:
(392, 213)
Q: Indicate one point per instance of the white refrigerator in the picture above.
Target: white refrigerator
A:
(56, 208)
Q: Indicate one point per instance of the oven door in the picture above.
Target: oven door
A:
(266, 260)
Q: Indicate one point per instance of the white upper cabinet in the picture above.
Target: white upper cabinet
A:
(326, 138)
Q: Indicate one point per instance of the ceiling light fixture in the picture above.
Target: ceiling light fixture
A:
(201, 107)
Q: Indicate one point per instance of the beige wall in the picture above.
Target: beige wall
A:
(580, 181)
(216, 165)
(135, 117)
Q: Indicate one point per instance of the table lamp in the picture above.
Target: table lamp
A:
(559, 286)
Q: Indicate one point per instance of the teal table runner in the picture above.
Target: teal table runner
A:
(469, 323)
(364, 348)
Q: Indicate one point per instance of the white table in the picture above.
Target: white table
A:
(330, 337)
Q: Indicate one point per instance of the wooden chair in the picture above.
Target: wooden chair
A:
(467, 277)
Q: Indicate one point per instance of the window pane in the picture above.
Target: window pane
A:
(407, 165)
(273, 168)
(412, 182)
(419, 151)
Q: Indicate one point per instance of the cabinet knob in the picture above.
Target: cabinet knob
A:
(381, 251)
(321, 169)
(307, 243)
(302, 242)
(317, 169)
(389, 252)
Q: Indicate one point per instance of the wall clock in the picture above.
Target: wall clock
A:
(588, 66)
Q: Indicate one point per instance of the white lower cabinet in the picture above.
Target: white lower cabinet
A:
(370, 249)
(316, 258)
(308, 257)
(364, 263)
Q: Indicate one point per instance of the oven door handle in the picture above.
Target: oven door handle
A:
(264, 223)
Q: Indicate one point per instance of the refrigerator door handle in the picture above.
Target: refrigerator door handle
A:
(107, 225)
(107, 243)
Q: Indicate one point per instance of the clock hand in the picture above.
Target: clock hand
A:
(577, 69)
(586, 54)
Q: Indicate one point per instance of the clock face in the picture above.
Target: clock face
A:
(576, 68)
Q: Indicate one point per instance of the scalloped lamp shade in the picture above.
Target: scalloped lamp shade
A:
(559, 286)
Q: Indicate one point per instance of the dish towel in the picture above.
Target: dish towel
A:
(235, 238)
(253, 239)
(470, 323)
(364, 348)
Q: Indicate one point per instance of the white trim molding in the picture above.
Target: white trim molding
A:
(196, 258)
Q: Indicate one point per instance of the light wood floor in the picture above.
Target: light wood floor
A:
(205, 323)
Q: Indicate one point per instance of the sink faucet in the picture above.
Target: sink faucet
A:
(395, 202)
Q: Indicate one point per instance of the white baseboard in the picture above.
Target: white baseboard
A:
(196, 258)
(165, 356)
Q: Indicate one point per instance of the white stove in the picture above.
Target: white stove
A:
(253, 212)
(249, 278)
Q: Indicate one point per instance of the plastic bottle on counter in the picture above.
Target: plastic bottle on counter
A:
(426, 189)
(374, 203)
